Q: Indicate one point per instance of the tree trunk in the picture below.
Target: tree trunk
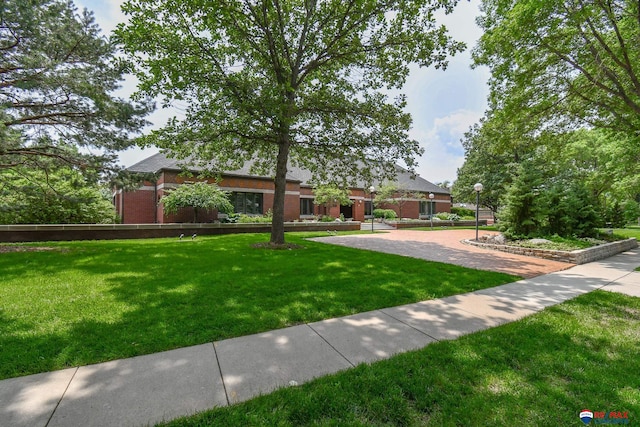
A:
(280, 181)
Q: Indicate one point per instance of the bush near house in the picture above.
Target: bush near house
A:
(463, 212)
(384, 213)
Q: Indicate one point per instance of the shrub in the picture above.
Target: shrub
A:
(523, 213)
(231, 218)
(631, 211)
(385, 213)
(570, 211)
(463, 212)
(248, 219)
(453, 217)
(535, 208)
(444, 216)
(327, 218)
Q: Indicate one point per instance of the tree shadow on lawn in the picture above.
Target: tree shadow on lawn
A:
(122, 300)
(542, 370)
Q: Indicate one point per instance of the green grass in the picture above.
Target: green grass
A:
(87, 302)
(540, 371)
(631, 231)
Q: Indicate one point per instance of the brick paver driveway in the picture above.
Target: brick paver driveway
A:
(446, 246)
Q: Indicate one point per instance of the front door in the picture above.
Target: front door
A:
(347, 211)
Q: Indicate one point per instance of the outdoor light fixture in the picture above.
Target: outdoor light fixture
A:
(372, 190)
(431, 196)
(478, 188)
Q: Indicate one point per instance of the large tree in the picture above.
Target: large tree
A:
(558, 64)
(487, 162)
(57, 77)
(284, 82)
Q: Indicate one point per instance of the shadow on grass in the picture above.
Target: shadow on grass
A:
(99, 301)
(542, 370)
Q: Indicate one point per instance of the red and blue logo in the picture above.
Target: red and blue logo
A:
(604, 417)
(586, 416)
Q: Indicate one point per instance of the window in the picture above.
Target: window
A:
(427, 208)
(367, 208)
(247, 203)
(306, 206)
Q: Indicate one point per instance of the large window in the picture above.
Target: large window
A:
(367, 208)
(306, 206)
(247, 203)
(427, 208)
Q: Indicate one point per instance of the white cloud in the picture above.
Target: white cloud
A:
(108, 13)
(443, 150)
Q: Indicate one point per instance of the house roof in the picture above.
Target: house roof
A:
(159, 162)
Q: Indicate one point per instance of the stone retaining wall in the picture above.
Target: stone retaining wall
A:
(41, 233)
(580, 256)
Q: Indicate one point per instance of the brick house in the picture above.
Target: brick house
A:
(253, 195)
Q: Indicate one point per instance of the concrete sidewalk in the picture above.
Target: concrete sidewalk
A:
(148, 389)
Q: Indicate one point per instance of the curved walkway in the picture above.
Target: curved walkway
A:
(446, 246)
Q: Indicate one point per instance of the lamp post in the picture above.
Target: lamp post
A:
(478, 189)
(372, 189)
(431, 196)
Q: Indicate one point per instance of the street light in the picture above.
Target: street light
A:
(431, 196)
(478, 189)
(372, 189)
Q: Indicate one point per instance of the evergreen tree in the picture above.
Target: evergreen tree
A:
(57, 77)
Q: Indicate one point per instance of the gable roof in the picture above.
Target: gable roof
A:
(159, 162)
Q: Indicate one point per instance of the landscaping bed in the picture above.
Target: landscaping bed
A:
(577, 256)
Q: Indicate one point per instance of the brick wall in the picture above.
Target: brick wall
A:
(139, 207)
(68, 232)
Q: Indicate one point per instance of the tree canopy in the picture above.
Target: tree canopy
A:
(60, 196)
(57, 76)
(559, 147)
(559, 64)
(285, 82)
(331, 195)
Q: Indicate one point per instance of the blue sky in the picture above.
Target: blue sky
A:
(443, 103)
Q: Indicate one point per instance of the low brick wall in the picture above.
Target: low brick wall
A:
(43, 233)
(441, 223)
(580, 256)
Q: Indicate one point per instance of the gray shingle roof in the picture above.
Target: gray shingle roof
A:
(160, 161)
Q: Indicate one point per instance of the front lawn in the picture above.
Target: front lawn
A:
(630, 231)
(78, 303)
(540, 371)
